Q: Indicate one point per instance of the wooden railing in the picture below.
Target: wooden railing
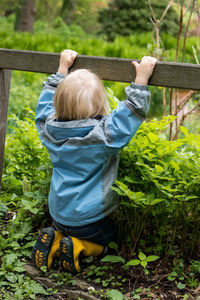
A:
(166, 74)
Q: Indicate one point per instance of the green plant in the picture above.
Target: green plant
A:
(26, 164)
(142, 260)
(115, 295)
(195, 266)
(159, 180)
(184, 277)
(26, 180)
(177, 275)
(117, 18)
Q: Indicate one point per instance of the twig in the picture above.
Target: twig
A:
(46, 287)
(193, 108)
(164, 102)
(156, 283)
(171, 113)
(166, 10)
(187, 28)
(195, 55)
(137, 280)
(185, 99)
(152, 11)
(156, 22)
(176, 113)
(180, 29)
(198, 27)
(184, 117)
(186, 9)
(163, 15)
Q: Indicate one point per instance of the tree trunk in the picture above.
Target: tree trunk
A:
(27, 16)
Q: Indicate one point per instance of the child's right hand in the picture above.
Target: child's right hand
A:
(67, 58)
(144, 69)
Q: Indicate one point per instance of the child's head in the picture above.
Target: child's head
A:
(79, 96)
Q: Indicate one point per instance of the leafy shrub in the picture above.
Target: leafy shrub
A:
(26, 164)
(60, 36)
(23, 207)
(126, 17)
(24, 92)
(159, 185)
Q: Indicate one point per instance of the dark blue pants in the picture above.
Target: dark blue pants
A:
(101, 232)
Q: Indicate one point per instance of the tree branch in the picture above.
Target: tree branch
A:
(187, 28)
(185, 99)
(184, 117)
(180, 29)
(166, 10)
(152, 11)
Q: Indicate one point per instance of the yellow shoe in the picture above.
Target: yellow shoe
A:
(70, 249)
(46, 247)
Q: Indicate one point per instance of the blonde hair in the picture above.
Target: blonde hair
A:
(79, 96)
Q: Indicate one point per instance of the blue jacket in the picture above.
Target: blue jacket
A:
(85, 154)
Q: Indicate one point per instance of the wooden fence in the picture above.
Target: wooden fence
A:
(166, 74)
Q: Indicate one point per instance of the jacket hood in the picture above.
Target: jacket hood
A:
(62, 131)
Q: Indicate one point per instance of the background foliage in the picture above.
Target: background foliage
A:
(130, 16)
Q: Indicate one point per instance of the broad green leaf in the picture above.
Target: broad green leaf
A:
(28, 245)
(152, 258)
(184, 130)
(115, 295)
(158, 168)
(11, 258)
(11, 277)
(156, 201)
(34, 210)
(118, 191)
(114, 246)
(89, 259)
(143, 263)
(171, 278)
(14, 245)
(153, 137)
(142, 256)
(174, 165)
(37, 288)
(180, 285)
(4, 283)
(113, 259)
(126, 178)
(19, 269)
(133, 262)
(123, 186)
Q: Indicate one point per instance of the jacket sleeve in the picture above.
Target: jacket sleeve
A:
(125, 120)
(45, 103)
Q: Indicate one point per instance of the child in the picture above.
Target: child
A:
(84, 143)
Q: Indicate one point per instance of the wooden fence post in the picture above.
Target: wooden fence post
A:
(5, 79)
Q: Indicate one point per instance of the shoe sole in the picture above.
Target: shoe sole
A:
(42, 247)
(66, 255)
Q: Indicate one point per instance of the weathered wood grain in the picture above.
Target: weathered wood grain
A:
(167, 74)
(5, 78)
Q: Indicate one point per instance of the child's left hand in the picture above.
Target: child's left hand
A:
(67, 58)
(144, 69)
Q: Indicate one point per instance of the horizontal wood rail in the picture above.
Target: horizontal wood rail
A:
(166, 74)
